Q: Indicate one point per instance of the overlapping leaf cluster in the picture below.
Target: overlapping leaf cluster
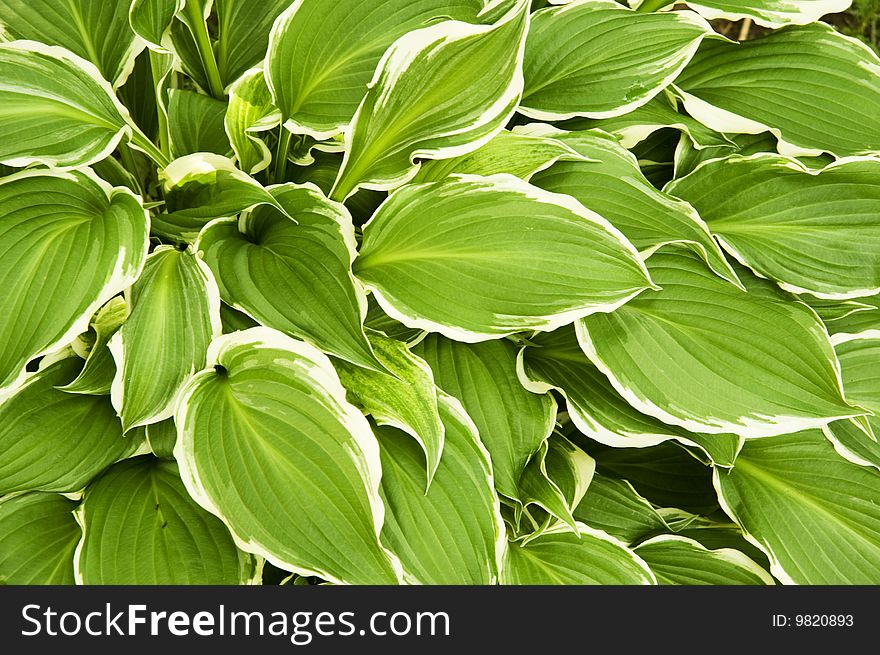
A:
(437, 291)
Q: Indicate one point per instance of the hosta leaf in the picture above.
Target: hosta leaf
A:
(68, 243)
(784, 488)
(250, 112)
(683, 355)
(677, 560)
(151, 19)
(557, 478)
(613, 506)
(57, 110)
(556, 361)
(769, 13)
(141, 528)
(57, 441)
(864, 324)
(860, 370)
(512, 422)
(175, 312)
(404, 397)
(162, 437)
(611, 184)
(657, 114)
(522, 155)
(96, 30)
(810, 231)
(453, 534)
(441, 91)
(564, 558)
(713, 534)
(196, 123)
(477, 258)
(599, 59)
(38, 535)
(379, 321)
(665, 474)
(243, 28)
(97, 375)
(294, 277)
(323, 54)
(812, 87)
(204, 186)
(835, 310)
(267, 441)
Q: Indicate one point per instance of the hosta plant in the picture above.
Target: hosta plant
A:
(438, 292)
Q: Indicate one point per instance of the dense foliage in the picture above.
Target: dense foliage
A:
(438, 291)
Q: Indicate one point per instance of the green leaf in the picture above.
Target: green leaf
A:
(96, 30)
(610, 183)
(769, 13)
(243, 28)
(267, 441)
(864, 324)
(831, 311)
(522, 155)
(861, 381)
(203, 186)
(810, 231)
(599, 59)
(512, 422)
(294, 276)
(555, 361)
(175, 312)
(615, 507)
(162, 437)
(556, 479)
(379, 321)
(322, 54)
(38, 535)
(784, 488)
(141, 528)
(97, 375)
(677, 560)
(151, 20)
(813, 88)
(438, 92)
(196, 123)
(57, 441)
(404, 397)
(681, 354)
(69, 242)
(250, 113)
(478, 258)
(564, 558)
(659, 113)
(57, 110)
(453, 534)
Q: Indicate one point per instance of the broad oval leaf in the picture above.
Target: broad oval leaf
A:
(784, 488)
(250, 112)
(322, 55)
(267, 441)
(96, 30)
(565, 558)
(512, 422)
(810, 231)
(151, 20)
(769, 13)
(243, 28)
(677, 560)
(709, 357)
(441, 91)
(38, 536)
(614, 506)
(196, 123)
(140, 527)
(57, 441)
(57, 110)
(453, 534)
(599, 59)
(404, 397)
(96, 377)
(478, 258)
(175, 312)
(68, 243)
(609, 181)
(815, 89)
(294, 276)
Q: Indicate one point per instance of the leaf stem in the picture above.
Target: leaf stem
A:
(280, 172)
(199, 29)
(164, 134)
(653, 5)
